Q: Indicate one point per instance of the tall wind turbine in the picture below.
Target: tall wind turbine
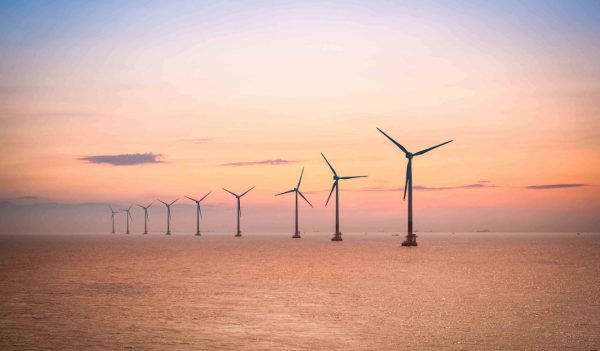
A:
(128, 216)
(239, 209)
(337, 236)
(198, 212)
(411, 238)
(146, 218)
(112, 217)
(168, 215)
(297, 192)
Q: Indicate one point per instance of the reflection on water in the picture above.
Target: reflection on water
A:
(461, 291)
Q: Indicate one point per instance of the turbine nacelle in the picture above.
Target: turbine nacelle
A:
(408, 155)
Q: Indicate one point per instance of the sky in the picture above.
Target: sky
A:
(117, 103)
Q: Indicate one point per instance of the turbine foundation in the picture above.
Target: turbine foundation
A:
(411, 240)
(238, 235)
(337, 237)
(296, 235)
(197, 233)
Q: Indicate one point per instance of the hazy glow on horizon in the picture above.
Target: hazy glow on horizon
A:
(204, 85)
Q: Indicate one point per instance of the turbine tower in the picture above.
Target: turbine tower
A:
(198, 212)
(146, 218)
(239, 209)
(337, 236)
(168, 215)
(297, 192)
(128, 216)
(112, 217)
(411, 238)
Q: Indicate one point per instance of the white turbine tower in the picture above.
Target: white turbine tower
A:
(239, 208)
(337, 236)
(198, 212)
(128, 217)
(297, 192)
(168, 215)
(146, 218)
(112, 217)
(411, 238)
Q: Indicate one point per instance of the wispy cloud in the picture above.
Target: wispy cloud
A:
(555, 186)
(196, 140)
(124, 159)
(28, 197)
(427, 188)
(275, 162)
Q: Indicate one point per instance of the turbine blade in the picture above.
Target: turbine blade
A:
(305, 199)
(352, 177)
(300, 181)
(331, 192)
(140, 206)
(130, 206)
(431, 148)
(285, 192)
(394, 141)
(199, 210)
(329, 164)
(191, 199)
(111, 209)
(204, 197)
(232, 193)
(408, 168)
(246, 192)
(174, 201)
(150, 204)
(166, 204)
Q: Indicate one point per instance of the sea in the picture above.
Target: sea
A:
(267, 291)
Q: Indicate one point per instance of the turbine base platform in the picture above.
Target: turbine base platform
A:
(296, 236)
(337, 237)
(197, 234)
(238, 235)
(411, 240)
(145, 233)
(168, 233)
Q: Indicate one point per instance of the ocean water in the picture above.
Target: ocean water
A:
(478, 291)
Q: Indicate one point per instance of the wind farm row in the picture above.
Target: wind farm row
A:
(411, 238)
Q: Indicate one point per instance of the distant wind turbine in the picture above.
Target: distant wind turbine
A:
(411, 238)
(337, 236)
(198, 212)
(168, 215)
(112, 217)
(296, 190)
(146, 218)
(128, 217)
(239, 209)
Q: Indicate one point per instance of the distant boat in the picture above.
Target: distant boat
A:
(482, 231)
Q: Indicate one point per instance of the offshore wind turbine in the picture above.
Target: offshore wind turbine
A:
(198, 212)
(128, 216)
(337, 236)
(146, 218)
(112, 217)
(411, 238)
(239, 209)
(297, 192)
(168, 215)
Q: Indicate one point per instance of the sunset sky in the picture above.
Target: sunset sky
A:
(198, 96)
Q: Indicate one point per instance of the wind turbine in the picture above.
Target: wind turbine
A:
(112, 217)
(239, 209)
(146, 218)
(337, 236)
(198, 212)
(411, 238)
(296, 190)
(128, 217)
(168, 215)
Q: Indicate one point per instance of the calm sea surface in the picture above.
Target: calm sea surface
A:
(481, 291)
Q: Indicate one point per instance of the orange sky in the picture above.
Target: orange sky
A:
(212, 85)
